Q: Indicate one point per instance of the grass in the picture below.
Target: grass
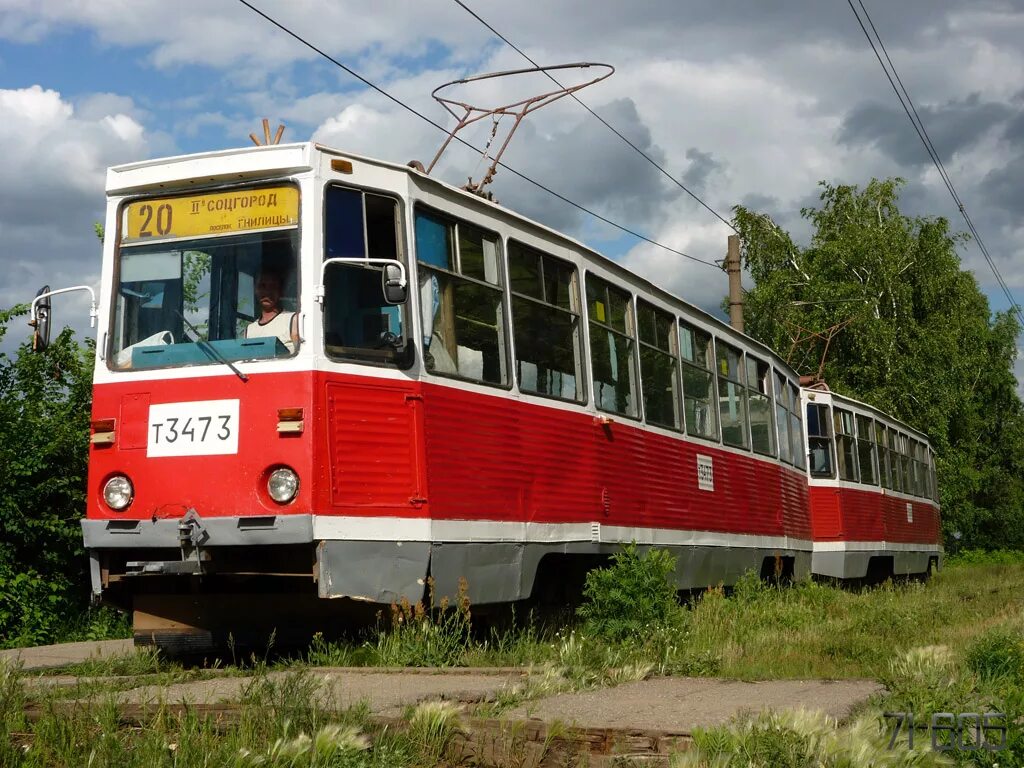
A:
(285, 720)
(756, 632)
(955, 644)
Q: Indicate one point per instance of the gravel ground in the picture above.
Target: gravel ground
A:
(680, 704)
(676, 705)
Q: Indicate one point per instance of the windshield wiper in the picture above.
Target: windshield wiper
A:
(211, 348)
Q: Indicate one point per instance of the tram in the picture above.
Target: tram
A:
(324, 380)
(873, 491)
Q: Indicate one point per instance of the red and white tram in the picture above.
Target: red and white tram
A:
(873, 492)
(324, 376)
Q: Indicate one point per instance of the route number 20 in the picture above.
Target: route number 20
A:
(163, 219)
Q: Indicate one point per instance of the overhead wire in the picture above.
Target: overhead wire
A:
(915, 120)
(606, 124)
(462, 141)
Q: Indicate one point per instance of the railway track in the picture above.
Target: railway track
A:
(483, 741)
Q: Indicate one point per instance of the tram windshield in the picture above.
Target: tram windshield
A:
(206, 300)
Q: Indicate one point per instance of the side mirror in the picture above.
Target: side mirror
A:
(41, 320)
(393, 284)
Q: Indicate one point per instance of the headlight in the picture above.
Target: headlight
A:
(118, 492)
(282, 485)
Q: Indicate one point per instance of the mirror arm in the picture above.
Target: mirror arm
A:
(93, 313)
(319, 296)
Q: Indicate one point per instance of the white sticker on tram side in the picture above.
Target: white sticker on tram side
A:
(198, 428)
(705, 473)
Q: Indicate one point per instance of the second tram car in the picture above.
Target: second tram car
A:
(324, 376)
(873, 492)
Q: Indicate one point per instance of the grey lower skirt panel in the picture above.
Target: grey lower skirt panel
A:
(854, 564)
(499, 572)
(386, 571)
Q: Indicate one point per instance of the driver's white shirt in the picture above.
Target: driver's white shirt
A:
(280, 326)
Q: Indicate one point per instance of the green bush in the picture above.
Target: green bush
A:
(986, 557)
(631, 596)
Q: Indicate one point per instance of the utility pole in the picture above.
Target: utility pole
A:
(732, 266)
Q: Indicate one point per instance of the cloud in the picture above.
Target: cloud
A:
(952, 127)
(744, 102)
(53, 173)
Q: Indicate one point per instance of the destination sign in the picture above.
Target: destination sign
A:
(215, 213)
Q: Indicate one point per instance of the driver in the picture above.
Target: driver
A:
(272, 321)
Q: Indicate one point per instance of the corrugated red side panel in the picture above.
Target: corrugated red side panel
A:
(502, 459)
(852, 514)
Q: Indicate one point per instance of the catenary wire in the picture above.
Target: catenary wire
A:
(606, 124)
(440, 127)
(915, 120)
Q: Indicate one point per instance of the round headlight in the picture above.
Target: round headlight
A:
(282, 485)
(118, 492)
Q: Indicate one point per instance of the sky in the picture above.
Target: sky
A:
(744, 101)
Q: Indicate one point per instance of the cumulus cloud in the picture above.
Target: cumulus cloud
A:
(53, 175)
(749, 103)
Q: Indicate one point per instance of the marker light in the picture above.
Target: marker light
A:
(118, 492)
(282, 485)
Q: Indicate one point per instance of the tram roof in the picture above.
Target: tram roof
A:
(840, 399)
(240, 164)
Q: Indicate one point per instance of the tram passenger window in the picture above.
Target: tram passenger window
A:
(612, 348)
(895, 464)
(783, 406)
(846, 450)
(932, 475)
(819, 439)
(546, 324)
(699, 409)
(796, 429)
(882, 451)
(906, 468)
(358, 323)
(866, 450)
(732, 395)
(917, 458)
(659, 374)
(759, 381)
(460, 299)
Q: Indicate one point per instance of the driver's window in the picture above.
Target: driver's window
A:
(358, 322)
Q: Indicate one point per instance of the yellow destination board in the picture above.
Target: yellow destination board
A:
(215, 213)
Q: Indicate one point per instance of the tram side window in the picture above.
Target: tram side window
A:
(358, 323)
(796, 429)
(783, 407)
(905, 465)
(919, 465)
(866, 450)
(732, 395)
(932, 475)
(881, 447)
(659, 375)
(698, 382)
(846, 451)
(460, 300)
(546, 324)
(819, 440)
(612, 347)
(759, 382)
(895, 464)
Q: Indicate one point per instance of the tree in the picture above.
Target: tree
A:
(917, 339)
(45, 403)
